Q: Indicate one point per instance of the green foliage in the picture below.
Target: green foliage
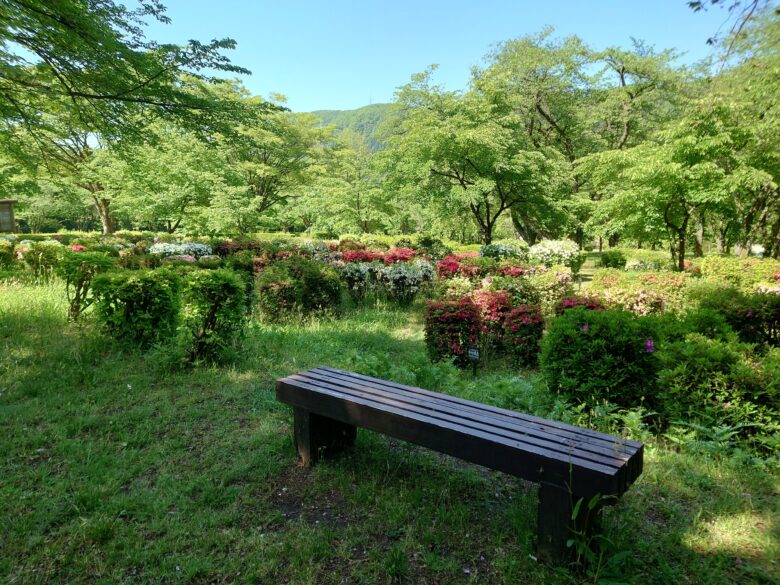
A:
(601, 355)
(502, 249)
(720, 384)
(139, 307)
(298, 285)
(78, 269)
(525, 291)
(41, 257)
(612, 259)
(7, 254)
(214, 313)
(742, 273)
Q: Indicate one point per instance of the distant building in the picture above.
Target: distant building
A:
(7, 223)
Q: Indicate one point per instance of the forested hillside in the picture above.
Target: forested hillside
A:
(367, 121)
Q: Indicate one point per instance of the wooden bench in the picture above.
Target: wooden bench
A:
(568, 462)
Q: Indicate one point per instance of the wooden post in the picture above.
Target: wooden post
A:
(317, 436)
(555, 525)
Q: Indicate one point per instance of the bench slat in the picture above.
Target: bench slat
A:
(470, 419)
(514, 457)
(486, 407)
(605, 444)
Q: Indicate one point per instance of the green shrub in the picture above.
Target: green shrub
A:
(214, 313)
(7, 254)
(600, 355)
(402, 281)
(522, 290)
(359, 279)
(41, 257)
(298, 285)
(742, 273)
(720, 384)
(429, 246)
(139, 307)
(78, 269)
(612, 259)
(755, 317)
(709, 323)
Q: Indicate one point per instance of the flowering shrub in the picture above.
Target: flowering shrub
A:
(453, 288)
(214, 313)
(176, 258)
(394, 255)
(210, 261)
(451, 326)
(562, 252)
(401, 282)
(522, 289)
(744, 273)
(138, 307)
(638, 300)
(187, 249)
(79, 269)
(523, 330)
(77, 248)
(298, 285)
(362, 255)
(429, 246)
(579, 302)
(426, 269)
(493, 307)
(358, 278)
(552, 286)
(41, 257)
(601, 355)
(505, 249)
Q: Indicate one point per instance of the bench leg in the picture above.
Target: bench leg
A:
(555, 526)
(317, 436)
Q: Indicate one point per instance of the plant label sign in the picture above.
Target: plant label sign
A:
(473, 354)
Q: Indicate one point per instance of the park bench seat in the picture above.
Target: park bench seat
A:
(568, 462)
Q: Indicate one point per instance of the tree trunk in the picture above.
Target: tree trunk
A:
(698, 242)
(102, 205)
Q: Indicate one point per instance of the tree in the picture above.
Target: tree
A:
(466, 151)
(92, 58)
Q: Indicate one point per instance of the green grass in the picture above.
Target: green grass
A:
(117, 468)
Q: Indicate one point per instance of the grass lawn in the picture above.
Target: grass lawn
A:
(117, 468)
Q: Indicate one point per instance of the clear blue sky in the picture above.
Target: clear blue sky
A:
(340, 54)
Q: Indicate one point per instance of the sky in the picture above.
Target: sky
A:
(340, 54)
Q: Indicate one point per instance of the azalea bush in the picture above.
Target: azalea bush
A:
(502, 249)
(522, 289)
(523, 328)
(214, 314)
(722, 384)
(138, 307)
(41, 257)
(612, 259)
(591, 304)
(7, 255)
(601, 355)
(78, 269)
(401, 282)
(743, 273)
(557, 252)
(493, 307)
(298, 285)
(451, 327)
(359, 279)
(186, 249)
(552, 285)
